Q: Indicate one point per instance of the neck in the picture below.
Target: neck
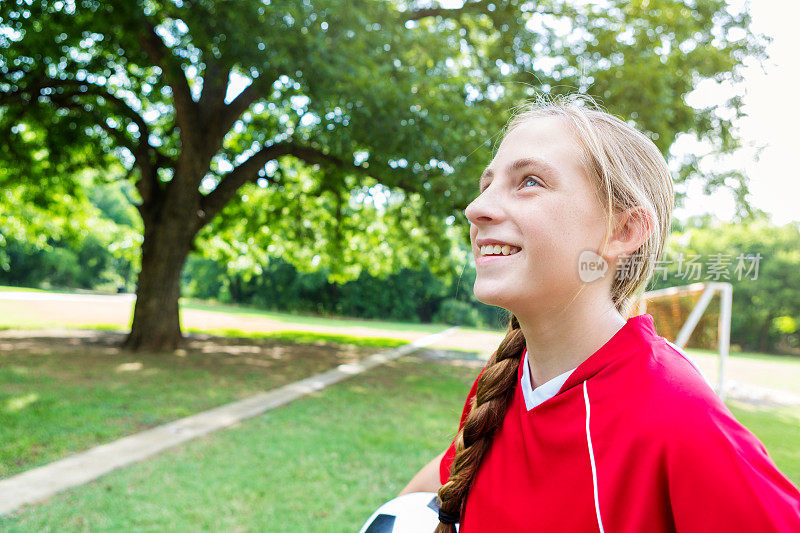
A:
(560, 341)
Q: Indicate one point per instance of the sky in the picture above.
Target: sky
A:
(773, 115)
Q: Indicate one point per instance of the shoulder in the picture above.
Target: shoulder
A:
(687, 413)
(706, 451)
(671, 382)
(669, 394)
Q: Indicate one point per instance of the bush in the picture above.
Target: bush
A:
(458, 313)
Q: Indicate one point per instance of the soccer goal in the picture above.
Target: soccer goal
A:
(678, 311)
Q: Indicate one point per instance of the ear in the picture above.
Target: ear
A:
(631, 228)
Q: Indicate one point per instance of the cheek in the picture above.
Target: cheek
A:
(589, 225)
(559, 244)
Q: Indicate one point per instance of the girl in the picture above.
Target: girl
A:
(584, 420)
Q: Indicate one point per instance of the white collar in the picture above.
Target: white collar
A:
(543, 392)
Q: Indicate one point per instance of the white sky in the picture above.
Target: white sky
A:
(773, 117)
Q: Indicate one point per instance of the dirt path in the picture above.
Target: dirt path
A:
(33, 310)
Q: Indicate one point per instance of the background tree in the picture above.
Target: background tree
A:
(762, 263)
(88, 239)
(376, 99)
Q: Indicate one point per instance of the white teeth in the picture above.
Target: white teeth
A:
(496, 249)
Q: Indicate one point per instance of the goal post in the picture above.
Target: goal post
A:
(707, 290)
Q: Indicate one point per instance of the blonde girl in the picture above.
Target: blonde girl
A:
(585, 419)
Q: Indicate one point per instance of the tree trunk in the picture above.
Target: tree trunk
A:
(156, 322)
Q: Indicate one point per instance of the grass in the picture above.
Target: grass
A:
(762, 370)
(40, 314)
(47, 315)
(754, 356)
(307, 337)
(322, 463)
(64, 395)
(279, 316)
(6, 288)
(779, 429)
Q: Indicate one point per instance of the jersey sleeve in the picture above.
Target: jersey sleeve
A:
(447, 460)
(722, 479)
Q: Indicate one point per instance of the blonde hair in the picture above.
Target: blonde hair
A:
(628, 171)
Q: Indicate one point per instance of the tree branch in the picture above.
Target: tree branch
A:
(215, 86)
(230, 113)
(80, 88)
(142, 152)
(186, 111)
(64, 101)
(247, 171)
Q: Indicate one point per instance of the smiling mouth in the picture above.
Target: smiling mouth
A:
(490, 250)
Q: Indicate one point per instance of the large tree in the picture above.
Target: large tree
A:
(323, 103)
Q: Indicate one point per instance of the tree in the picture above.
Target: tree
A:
(197, 98)
(87, 239)
(760, 260)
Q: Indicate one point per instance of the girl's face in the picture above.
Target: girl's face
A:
(536, 197)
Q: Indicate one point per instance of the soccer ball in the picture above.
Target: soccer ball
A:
(417, 512)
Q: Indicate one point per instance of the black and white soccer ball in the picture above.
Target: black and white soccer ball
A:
(417, 512)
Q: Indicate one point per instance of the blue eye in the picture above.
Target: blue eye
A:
(530, 179)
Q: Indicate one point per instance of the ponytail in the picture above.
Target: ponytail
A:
(486, 413)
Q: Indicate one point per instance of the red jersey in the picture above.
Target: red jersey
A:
(634, 441)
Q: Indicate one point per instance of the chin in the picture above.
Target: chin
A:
(497, 296)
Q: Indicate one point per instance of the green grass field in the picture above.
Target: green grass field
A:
(290, 318)
(57, 398)
(6, 288)
(322, 463)
(779, 429)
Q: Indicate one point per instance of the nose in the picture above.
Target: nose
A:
(485, 209)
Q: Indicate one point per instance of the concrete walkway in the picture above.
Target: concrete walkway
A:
(758, 395)
(43, 482)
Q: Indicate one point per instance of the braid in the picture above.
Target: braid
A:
(487, 410)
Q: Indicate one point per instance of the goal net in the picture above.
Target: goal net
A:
(690, 316)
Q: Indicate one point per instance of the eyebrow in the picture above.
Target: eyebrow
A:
(525, 162)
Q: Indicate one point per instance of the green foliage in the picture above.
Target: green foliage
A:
(360, 94)
(89, 240)
(458, 313)
(766, 302)
(407, 295)
(313, 230)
